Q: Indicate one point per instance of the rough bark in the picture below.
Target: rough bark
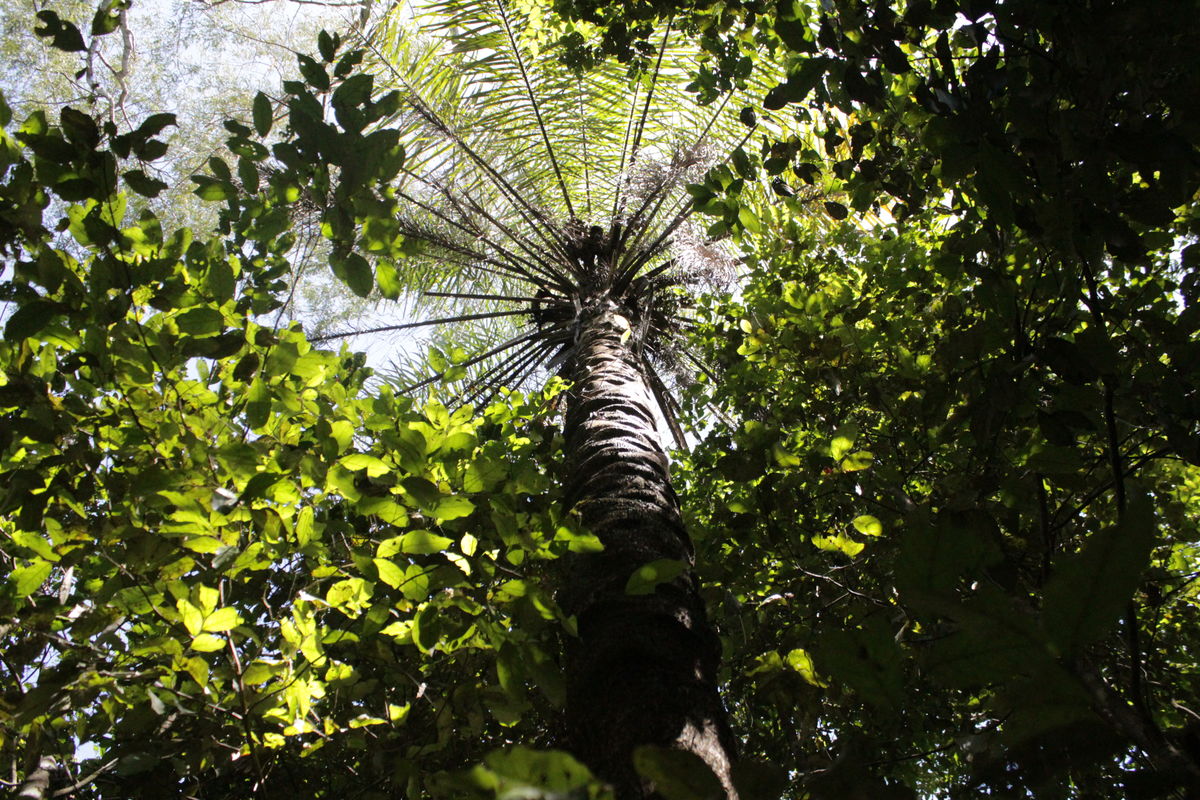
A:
(643, 670)
(37, 783)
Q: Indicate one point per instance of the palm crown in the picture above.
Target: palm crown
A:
(531, 192)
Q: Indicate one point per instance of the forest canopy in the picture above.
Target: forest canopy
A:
(912, 291)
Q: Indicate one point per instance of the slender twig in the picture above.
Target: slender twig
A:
(84, 781)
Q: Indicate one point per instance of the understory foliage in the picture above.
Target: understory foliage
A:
(945, 486)
(231, 570)
(929, 579)
(956, 538)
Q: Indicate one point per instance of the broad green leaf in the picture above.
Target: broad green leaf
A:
(677, 774)
(868, 525)
(362, 461)
(203, 544)
(836, 210)
(207, 643)
(802, 79)
(258, 403)
(749, 220)
(415, 542)
(843, 441)
(313, 73)
(800, 660)
(200, 321)
(935, 556)
(783, 457)
(647, 577)
(263, 114)
(350, 596)
(839, 543)
(1090, 590)
(524, 772)
(554, 771)
(460, 442)
(389, 573)
(342, 432)
(258, 485)
(387, 278)
(385, 508)
(106, 18)
(35, 543)
(63, 35)
(984, 652)
(29, 578)
(354, 91)
(223, 619)
(410, 448)
(192, 617)
(858, 460)
(259, 672)
(867, 659)
(355, 271)
(483, 474)
(305, 526)
(449, 508)
(197, 667)
(212, 190)
(143, 184)
(327, 46)
(207, 597)
(30, 319)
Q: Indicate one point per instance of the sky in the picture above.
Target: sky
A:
(204, 62)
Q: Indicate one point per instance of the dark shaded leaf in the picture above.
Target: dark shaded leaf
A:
(836, 210)
(677, 774)
(62, 34)
(143, 184)
(263, 112)
(30, 319)
(1091, 589)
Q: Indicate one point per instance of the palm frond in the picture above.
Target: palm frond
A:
(510, 157)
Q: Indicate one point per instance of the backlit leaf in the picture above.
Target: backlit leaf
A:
(648, 576)
(29, 578)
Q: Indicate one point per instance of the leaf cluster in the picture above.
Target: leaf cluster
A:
(921, 556)
(228, 568)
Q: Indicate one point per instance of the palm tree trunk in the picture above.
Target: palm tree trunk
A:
(643, 670)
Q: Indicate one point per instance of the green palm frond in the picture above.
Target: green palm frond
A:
(530, 190)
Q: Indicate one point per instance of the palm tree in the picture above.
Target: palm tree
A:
(555, 204)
